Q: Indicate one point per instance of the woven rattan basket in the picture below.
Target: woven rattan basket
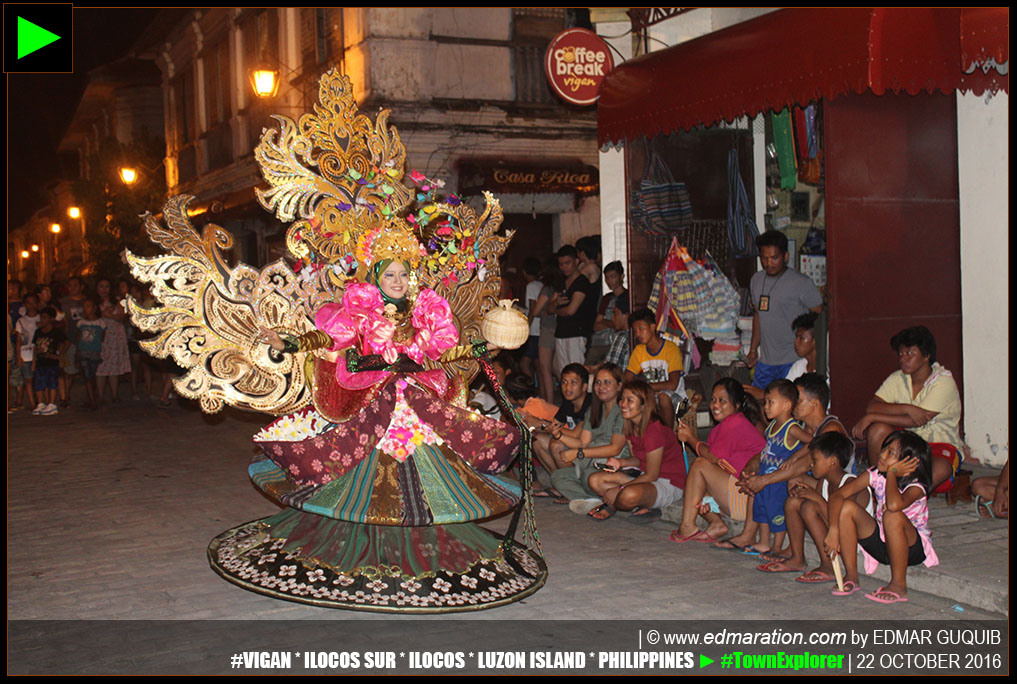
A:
(504, 326)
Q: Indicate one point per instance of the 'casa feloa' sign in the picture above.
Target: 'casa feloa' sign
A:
(576, 63)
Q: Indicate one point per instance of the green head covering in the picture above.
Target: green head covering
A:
(374, 277)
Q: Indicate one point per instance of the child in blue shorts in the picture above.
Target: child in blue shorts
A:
(50, 345)
(784, 436)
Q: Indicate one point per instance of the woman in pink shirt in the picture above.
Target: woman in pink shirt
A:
(734, 442)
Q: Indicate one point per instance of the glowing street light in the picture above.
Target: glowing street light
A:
(55, 228)
(128, 175)
(265, 82)
(25, 254)
(73, 212)
(35, 248)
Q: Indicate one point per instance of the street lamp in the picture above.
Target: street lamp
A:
(25, 254)
(130, 175)
(74, 212)
(265, 81)
(55, 228)
(35, 248)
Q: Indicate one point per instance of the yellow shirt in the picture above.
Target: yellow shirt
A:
(656, 367)
(939, 394)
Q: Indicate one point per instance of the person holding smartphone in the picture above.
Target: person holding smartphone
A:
(654, 451)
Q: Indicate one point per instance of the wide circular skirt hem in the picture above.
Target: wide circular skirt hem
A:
(246, 557)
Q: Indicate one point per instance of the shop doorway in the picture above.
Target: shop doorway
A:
(534, 238)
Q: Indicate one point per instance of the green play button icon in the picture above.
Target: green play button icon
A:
(704, 661)
(32, 37)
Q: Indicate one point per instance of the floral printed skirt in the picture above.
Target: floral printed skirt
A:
(407, 459)
(381, 509)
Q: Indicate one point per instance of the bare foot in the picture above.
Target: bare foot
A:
(717, 530)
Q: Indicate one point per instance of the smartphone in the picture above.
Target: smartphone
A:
(631, 472)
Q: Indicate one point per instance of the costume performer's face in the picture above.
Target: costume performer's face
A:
(395, 280)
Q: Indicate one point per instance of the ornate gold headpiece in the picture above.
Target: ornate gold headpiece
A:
(338, 180)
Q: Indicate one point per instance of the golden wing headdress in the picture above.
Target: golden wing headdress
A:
(337, 179)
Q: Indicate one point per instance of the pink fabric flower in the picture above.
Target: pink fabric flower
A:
(362, 298)
(432, 318)
(337, 322)
(360, 318)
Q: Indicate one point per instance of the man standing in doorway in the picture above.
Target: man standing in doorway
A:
(779, 296)
(576, 309)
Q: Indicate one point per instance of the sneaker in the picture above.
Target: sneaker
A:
(38, 410)
(50, 410)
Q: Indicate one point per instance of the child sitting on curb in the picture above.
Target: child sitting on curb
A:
(899, 535)
(806, 506)
(547, 444)
(783, 438)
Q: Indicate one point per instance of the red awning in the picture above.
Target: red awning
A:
(792, 56)
(985, 39)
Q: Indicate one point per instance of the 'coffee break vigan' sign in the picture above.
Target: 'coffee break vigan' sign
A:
(576, 63)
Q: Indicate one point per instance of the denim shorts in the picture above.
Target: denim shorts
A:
(88, 365)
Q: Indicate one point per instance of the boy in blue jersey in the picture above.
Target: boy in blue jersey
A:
(784, 436)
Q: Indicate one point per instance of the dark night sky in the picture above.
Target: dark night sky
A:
(40, 106)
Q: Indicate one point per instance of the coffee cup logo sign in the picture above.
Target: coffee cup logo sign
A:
(576, 63)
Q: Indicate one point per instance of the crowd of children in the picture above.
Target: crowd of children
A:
(53, 340)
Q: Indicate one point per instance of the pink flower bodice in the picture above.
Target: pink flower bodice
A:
(359, 322)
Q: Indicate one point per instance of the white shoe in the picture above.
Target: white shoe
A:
(583, 506)
(37, 411)
(51, 409)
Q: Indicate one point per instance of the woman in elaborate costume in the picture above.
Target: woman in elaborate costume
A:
(382, 468)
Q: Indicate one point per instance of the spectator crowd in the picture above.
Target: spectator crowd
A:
(63, 333)
(614, 425)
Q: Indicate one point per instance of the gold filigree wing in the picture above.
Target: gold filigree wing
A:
(207, 316)
(333, 165)
(470, 277)
(345, 141)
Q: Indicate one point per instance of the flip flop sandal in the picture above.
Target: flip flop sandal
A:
(698, 536)
(770, 557)
(646, 518)
(894, 596)
(776, 566)
(598, 509)
(751, 550)
(818, 577)
(849, 588)
(731, 546)
(987, 505)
